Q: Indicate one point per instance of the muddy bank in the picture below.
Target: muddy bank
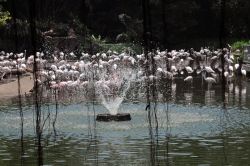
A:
(9, 88)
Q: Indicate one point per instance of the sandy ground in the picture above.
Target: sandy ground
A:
(8, 90)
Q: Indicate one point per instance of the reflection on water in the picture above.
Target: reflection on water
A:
(209, 97)
(190, 128)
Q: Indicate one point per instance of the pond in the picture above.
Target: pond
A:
(194, 128)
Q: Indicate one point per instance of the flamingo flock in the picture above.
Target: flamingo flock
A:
(107, 71)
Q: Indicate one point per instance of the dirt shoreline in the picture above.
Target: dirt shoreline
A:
(10, 89)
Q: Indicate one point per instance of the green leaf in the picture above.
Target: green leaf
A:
(4, 17)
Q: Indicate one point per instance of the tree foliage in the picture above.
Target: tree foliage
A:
(4, 17)
(174, 23)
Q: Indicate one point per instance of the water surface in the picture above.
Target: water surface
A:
(195, 127)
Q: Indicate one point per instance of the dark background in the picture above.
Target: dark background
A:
(174, 24)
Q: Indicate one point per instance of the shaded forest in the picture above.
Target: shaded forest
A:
(173, 24)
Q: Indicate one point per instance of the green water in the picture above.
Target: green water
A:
(193, 129)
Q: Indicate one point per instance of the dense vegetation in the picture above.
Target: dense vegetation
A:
(97, 23)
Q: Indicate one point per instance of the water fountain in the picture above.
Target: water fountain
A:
(116, 117)
(112, 89)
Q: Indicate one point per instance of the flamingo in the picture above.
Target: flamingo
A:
(189, 69)
(209, 69)
(236, 66)
(231, 68)
(243, 72)
(188, 79)
(115, 66)
(210, 80)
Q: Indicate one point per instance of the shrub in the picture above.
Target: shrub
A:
(240, 44)
(4, 17)
(237, 48)
(120, 47)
